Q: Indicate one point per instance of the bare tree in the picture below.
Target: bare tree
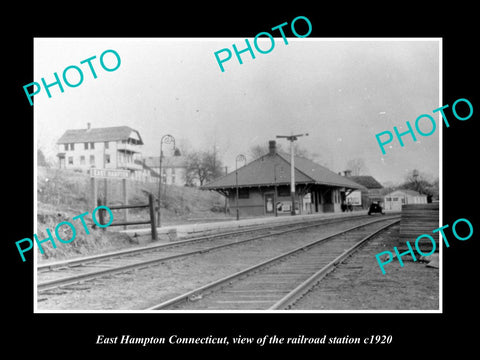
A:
(202, 166)
(257, 151)
(357, 166)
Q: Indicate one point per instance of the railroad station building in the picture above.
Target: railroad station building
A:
(116, 147)
(264, 186)
(396, 199)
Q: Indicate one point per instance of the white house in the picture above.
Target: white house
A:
(397, 198)
(117, 147)
(174, 169)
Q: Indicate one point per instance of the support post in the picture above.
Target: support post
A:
(125, 201)
(105, 186)
(236, 197)
(292, 138)
(93, 188)
(292, 177)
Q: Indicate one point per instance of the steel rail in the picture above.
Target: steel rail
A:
(119, 253)
(71, 280)
(289, 299)
(230, 278)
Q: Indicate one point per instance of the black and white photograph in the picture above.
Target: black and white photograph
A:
(223, 180)
(262, 187)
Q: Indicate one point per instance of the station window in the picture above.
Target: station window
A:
(72, 146)
(70, 160)
(66, 147)
(106, 144)
(243, 193)
(82, 160)
(85, 146)
(107, 158)
(92, 159)
(92, 145)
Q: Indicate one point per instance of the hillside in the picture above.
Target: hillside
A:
(63, 194)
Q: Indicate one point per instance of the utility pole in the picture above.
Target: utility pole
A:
(292, 138)
(226, 199)
(166, 139)
(239, 157)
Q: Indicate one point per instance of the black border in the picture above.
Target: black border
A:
(70, 334)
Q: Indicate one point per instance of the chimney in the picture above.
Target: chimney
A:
(347, 173)
(272, 147)
(88, 126)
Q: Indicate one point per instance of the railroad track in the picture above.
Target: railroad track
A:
(70, 272)
(277, 283)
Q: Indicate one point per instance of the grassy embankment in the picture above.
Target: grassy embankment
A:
(63, 194)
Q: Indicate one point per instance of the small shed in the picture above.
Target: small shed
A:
(395, 200)
(264, 186)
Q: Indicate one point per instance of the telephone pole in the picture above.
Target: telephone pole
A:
(292, 138)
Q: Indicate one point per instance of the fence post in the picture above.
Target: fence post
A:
(151, 207)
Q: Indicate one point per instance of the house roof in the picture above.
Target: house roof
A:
(113, 133)
(167, 161)
(406, 192)
(271, 169)
(366, 180)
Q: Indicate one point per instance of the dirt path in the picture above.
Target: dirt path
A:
(358, 284)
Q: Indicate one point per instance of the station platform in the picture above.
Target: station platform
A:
(185, 231)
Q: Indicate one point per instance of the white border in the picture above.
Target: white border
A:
(283, 312)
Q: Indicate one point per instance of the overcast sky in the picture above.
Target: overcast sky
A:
(342, 92)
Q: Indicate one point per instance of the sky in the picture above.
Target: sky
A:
(340, 91)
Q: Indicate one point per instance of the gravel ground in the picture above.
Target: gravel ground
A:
(144, 288)
(358, 283)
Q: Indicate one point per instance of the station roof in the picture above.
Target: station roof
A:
(275, 168)
(366, 180)
(407, 192)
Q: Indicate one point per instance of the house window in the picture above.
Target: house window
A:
(82, 160)
(173, 179)
(106, 144)
(85, 145)
(92, 145)
(92, 159)
(403, 200)
(72, 146)
(107, 158)
(388, 199)
(395, 199)
(66, 147)
(244, 193)
(70, 160)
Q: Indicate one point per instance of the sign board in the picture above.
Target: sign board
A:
(109, 173)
